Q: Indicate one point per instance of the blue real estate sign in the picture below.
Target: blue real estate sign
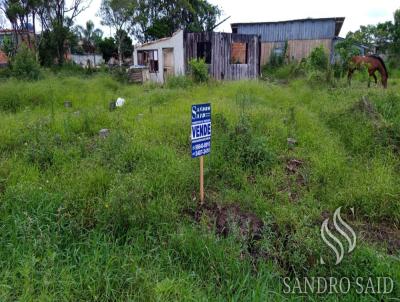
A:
(201, 129)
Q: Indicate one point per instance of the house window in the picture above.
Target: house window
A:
(278, 51)
(204, 51)
(239, 53)
(148, 58)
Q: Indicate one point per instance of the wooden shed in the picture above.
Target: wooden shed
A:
(229, 56)
(301, 36)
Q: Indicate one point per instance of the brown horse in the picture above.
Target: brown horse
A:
(374, 63)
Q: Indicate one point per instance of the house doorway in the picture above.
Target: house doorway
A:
(168, 58)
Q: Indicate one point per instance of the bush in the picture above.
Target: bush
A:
(276, 60)
(119, 74)
(24, 65)
(344, 51)
(318, 59)
(198, 70)
(5, 72)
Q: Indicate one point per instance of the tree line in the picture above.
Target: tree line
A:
(143, 20)
(384, 37)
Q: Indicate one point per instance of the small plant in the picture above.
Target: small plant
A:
(275, 60)
(8, 46)
(24, 65)
(198, 70)
(318, 59)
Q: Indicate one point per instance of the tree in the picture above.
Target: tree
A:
(364, 35)
(377, 37)
(119, 15)
(395, 47)
(126, 43)
(89, 36)
(57, 18)
(19, 13)
(160, 18)
(108, 48)
(24, 64)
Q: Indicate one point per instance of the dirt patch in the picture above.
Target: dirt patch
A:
(228, 218)
(295, 179)
(293, 165)
(382, 235)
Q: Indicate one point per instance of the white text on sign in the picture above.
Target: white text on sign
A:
(200, 131)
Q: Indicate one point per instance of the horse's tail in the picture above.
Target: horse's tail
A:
(382, 62)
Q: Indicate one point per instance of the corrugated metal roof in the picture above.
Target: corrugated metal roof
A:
(301, 29)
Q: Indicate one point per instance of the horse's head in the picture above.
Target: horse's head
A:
(384, 81)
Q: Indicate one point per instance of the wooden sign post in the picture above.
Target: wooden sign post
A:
(201, 138)
(201, 179)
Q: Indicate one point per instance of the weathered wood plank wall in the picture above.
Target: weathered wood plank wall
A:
(297, 49)
(221, 67)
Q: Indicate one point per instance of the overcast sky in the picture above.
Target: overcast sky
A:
(357, 12)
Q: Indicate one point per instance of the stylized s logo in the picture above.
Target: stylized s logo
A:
(332, 239)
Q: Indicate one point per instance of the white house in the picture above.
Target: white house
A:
(164, 57)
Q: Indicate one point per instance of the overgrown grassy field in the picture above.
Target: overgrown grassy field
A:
(117, 218)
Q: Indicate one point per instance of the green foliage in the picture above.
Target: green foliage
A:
(198, 70)
(8, 46)
(161, 18)
(344, 51)
(5, 72)
(108, 48)
(318, 59)
(24, 65)
(246, 149)
(385, 37)
(276, 60)
(275, 64)
(52, 47)
(179, 82)
(118, 14)
(89, 35)
(316, 67)
(395, 47)
(119, 74)
(126, 43)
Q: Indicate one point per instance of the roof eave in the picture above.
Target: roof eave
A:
(336, 19)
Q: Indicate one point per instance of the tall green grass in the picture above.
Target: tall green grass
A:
(86, 218)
